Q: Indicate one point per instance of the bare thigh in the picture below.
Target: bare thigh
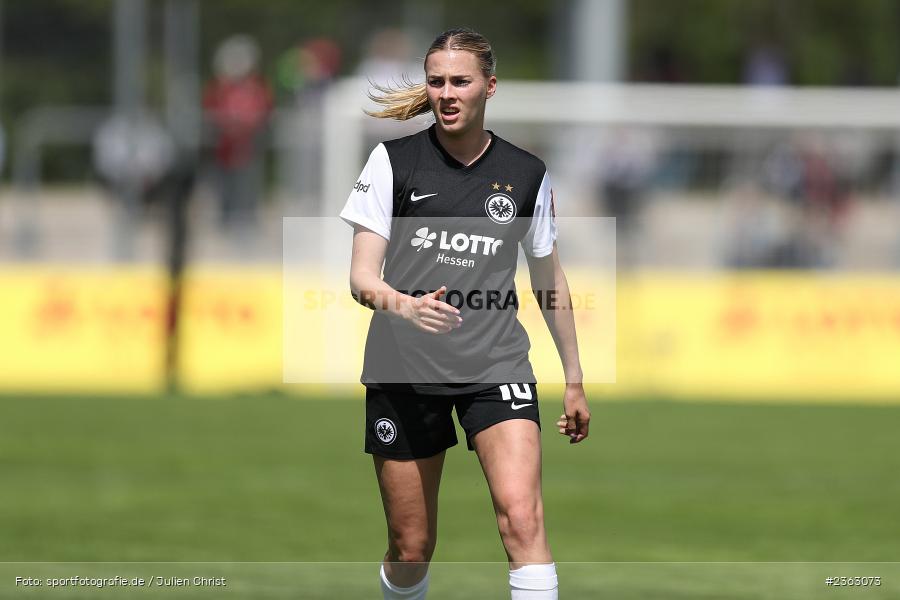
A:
(510, 456)
(409, 493)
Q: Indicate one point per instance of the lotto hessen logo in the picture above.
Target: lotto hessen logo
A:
(500, 208)
(361, 187)
(459, 242)
(423, 239)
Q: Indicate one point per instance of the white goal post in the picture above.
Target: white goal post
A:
(738, 107)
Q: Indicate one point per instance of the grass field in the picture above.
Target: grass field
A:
(665, 500)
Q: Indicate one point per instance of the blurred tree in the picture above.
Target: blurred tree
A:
(824, 42)
(59, 51)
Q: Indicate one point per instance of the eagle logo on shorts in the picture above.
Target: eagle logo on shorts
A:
(500, 208)
(385, 430)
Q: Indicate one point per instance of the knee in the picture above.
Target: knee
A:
(410, 547)
(521, 522)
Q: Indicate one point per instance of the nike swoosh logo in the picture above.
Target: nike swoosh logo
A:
(518, 406)
(414, 198)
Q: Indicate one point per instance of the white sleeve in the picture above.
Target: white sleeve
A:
(371, 202)
(539, 240)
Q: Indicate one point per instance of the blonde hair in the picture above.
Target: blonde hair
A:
(407, 99)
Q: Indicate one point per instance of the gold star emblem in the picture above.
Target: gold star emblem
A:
(495, 185)
(508, 188)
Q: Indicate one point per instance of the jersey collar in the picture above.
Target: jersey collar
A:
(452, 162)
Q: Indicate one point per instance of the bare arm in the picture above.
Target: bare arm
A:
(549, 284)
(427, 313)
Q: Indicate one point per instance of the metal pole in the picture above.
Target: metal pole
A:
(599, 39)
(182, 73)
(183, 121)
(129, 50)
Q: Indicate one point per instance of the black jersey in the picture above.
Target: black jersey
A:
(460, 226)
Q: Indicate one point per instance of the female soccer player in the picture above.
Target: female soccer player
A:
(443, 212)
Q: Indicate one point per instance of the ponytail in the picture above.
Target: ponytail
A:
(401, 102)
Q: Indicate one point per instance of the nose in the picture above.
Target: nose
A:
(446, 91)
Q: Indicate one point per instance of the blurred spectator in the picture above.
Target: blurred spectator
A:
(753, 225)
(133, 153)
(389, 57)
(764, 65)
(237, 104)
(308, 67)
(803, 231)
(624, 164)
(304, 73)
(783, 171)
(823, 191)
(664, 65)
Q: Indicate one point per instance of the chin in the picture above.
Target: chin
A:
(453, 128)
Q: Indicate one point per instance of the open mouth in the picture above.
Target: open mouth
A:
(449, 111)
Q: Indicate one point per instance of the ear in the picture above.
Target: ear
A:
(491, 85)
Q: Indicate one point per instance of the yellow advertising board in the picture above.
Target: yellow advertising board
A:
(811, 336)
(83, 329)
(774, 336)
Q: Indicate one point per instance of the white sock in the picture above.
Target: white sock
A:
(534, 582)
(392, 592)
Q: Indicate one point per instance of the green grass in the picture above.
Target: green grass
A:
(268, 479)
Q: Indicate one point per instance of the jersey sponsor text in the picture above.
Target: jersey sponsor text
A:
(453, 260)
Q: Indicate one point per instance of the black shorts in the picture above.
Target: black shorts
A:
(404, 425)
